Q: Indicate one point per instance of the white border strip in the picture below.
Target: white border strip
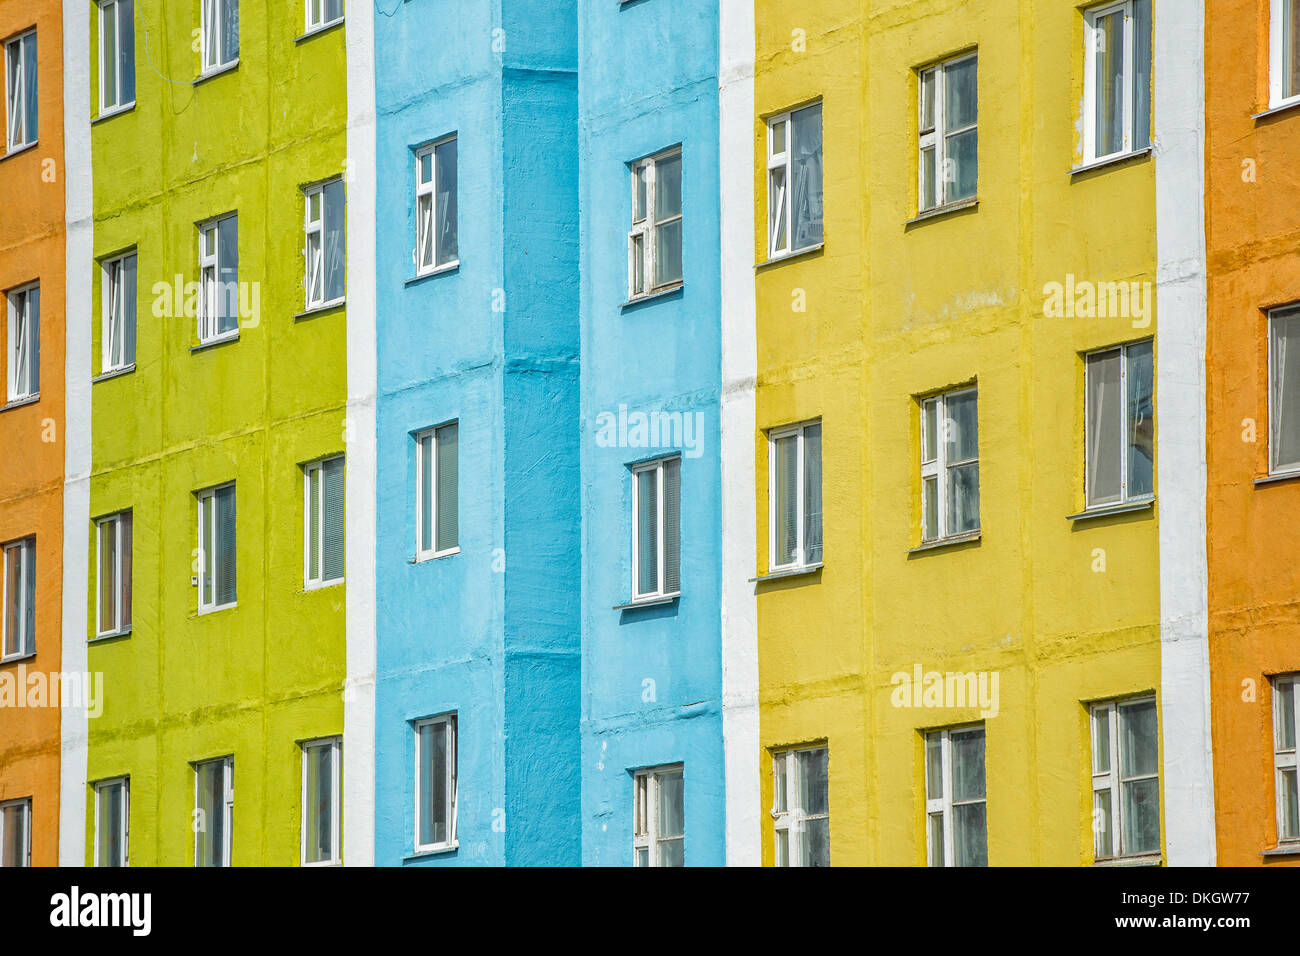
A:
(79, 220)
(1179, 70)
(359, 688)
(739, 369)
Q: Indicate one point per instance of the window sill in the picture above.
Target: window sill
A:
(216, 71)
(1105, 511)
(115, 111)
(441, 270)
(787, 256)
(789, 572)
(322, 865)
(431, 851)
(1274, 479)
(947, 542)
(318, 309)
(434, 555)
(109, 636)
(317, 31)
(663, 293)
(213, 610)
(17, 658)
(1279, 108)
(321, 585)
(656, 601)
(213, 343)
(20, 402)
(940, 211)
(1282, 849)
(113, 373)
(1110, 160)
(21, 149)
(1150, 859)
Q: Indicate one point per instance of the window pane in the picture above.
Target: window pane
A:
(13, 824)
(970, 834)
(1108, 37)
(1101, 740)
(127, 300)
(787, 476)
(1141, 74)
(812, 493)
(1285, 397)
(964, 498)
(28, 641)
(426, 492)
(1291, 55)
(776, 198)
(961, 170)
(936, 839)
(961, 430)
(313, 524)
(927, 100)
(968, 766)
(126, 49)
(1139, 374)
(228, 274)
(320, 814)
(446, 203)
(778, 138)
(1289, 812)
(107, 576)
(335, 240)
(1284, 704)
(668, 253)
(1141, 815)
(672, 813)
(109, 825)
(433, 783)
(224, 558)
(426, 167)
(672, 852)
(230, 30)
(643, 856)
(1104, 427)
(1102, 828)
(647, 532)
(930, 506)
(424, 227)
(779, 794)
(933, 766)
(211, 803)
(672, 525)
(638, 264)
(332, 557)
(108, 58)
(448, 487)
(813, 780)
(927, 178)
(806, 159)
(640, 180)
(333, 10)
(816, 842)
(782, 848)
(959, 95)
(1139, 750)
(30, 88)
(668, 187)
(126, 522)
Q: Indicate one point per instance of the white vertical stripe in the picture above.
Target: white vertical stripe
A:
(739, 368)
(78, 273)
(360, 498)
(1179, 108)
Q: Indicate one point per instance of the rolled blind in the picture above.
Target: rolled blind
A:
(787, 478)
(672, 525)
(647, 532)
(128, 310)
(108, 576)
(332, 556)
(224, 557)
(448, 524)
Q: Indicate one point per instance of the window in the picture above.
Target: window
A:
(659, 817)
(114, 571)
(214, 811)
(435, 207)
(654, 245)
(949, 141)
(1117, 84)
(1125, 779)
(955, 809)
(435, 783)
(801, 807)
(1284, 389)
(794, 181)
(323, 13)
(950, 470)
(220, 34)
(656, 529)
(16, 832)
(320, 801)
(23, 356)
(117, 346)
(19, 593)
(326, 243)
(20, 91)
(217, 548)
(116, 55)
(1283, 52)
(795, 496)
(112, 816)
(1120, 422)
(437, 507)
(219, 278)
(1286, 727)
(324, 524)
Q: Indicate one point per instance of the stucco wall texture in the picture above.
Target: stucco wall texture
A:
(32, 435)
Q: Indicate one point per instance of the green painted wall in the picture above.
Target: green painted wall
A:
(253, 680)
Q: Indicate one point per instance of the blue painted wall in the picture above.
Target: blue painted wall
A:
(493, 632)
(651, 677)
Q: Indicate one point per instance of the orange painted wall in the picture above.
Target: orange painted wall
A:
(1253, 259)
(31, 436)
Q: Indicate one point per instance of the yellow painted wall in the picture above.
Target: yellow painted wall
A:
(895, 311)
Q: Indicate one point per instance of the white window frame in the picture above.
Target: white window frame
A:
(210, 287)
(24, 550)
(111, 524)
(18, 350)
(124, 824)
(429, 464)
(657, 466)
(310, 469)
(16, 98)
(314, 26)
(791, 823)
(1113, 779)
(1090, 34)
(210, 19)
(643, 230)
(1274, 466)
(207, 499)
(1277, 55)
(784, 160)
(453, 768)
(937, 467)
(645, 813)
(943, 805)
(335, 746)
(227, 807)
(1125, 425)
(801, 548)
(313, 249)
(111, 59)
(1285, 759)
(26, 804)
(427, 229)
(114, 313)
(936, 137)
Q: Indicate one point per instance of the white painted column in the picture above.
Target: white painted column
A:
(1179, 108)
